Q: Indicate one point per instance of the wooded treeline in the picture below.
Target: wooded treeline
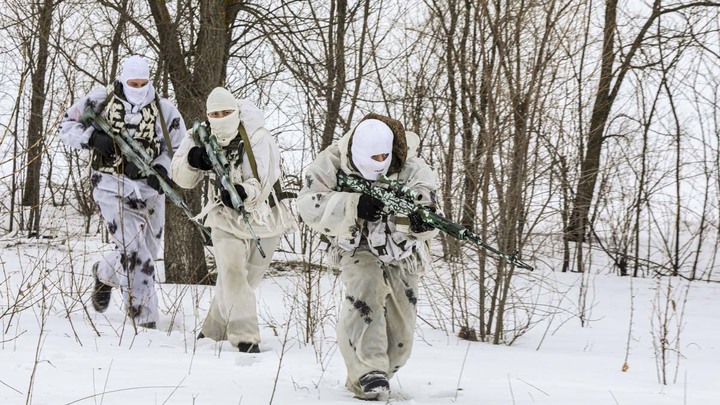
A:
(555, 126)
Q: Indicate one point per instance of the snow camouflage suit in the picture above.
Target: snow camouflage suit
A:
(233, 313)
(380, 261)
(133, 212)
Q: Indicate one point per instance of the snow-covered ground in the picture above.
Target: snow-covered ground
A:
(54, 349)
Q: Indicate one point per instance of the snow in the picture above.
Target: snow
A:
(55, 349)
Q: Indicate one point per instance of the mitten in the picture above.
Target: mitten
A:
(198, 158)
(131, 171)
(153, 181)
(417, 225)
(369, 208)
(225, 195)
(102, 143)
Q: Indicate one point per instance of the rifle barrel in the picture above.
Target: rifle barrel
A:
(399, 199)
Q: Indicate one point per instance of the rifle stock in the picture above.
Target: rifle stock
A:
(399, 199)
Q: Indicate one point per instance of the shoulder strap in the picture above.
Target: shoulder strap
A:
(105, 102)
(163, 125)
(280, 194)
(248, 150)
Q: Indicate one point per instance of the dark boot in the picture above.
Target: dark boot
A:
(133, 312)
(245, 347)
(374, 383)
(101, 293)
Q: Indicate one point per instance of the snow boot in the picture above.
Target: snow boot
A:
(101, 293)
(245, 347)
(373, 384)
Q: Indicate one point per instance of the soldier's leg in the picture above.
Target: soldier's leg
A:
(131, 266)
(141, 292)
(401, 316)
(156, 220)
(362, 329)
(109, 268)
(233, 312)
(258, 265)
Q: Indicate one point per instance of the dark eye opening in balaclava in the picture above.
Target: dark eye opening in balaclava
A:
(225, 129)
(135, 67)
(372, 137)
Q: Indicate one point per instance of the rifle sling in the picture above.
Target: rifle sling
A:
(248, 150)
(163, 125)
(281, 195)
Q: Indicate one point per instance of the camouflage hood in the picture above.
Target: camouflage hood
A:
(399, 150)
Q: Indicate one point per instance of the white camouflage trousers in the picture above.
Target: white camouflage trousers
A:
(233, 312)
(377, 321)
(136, 227)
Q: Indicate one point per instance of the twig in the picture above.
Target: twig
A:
(175, 390)
(521, 380)
(462, 368)
(150, 387)
(38, 349)
(512, 394)
(12, 388)
(282, 353)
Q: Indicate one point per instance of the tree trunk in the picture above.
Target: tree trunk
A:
(35, 141)
(335, 65)
(604, 99)
(184, 254)
(601, 111)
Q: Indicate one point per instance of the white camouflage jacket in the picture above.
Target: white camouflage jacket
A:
(334, 213)
(265, 220)
(76, 135)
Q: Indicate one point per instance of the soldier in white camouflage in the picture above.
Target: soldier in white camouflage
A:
(131, 204)
(255, 172)
(380, 255)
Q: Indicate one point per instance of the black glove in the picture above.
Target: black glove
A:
(132, 171)
(225, 195)
(369, 208)
(153, 181)
(417, 225)
(198, 158)
(103, 143)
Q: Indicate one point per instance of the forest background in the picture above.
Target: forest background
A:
(583, 134)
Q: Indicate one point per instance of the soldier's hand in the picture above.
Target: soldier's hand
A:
(131, 171)
(198, 158)
(225, 195)
(369, 208)
(417, 225)
(153, 181)
(102, 143)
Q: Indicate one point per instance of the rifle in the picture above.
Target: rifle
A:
(135, 153)
(400, 199)
(221, 167)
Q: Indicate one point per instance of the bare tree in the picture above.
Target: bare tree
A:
(324, 49)
(35, 142)
(610, 82)
(193, 79)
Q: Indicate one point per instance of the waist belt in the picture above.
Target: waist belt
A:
(281, 195)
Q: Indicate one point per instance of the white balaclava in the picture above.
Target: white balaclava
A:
(135, 67)
(225, 129)
(371, 137)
